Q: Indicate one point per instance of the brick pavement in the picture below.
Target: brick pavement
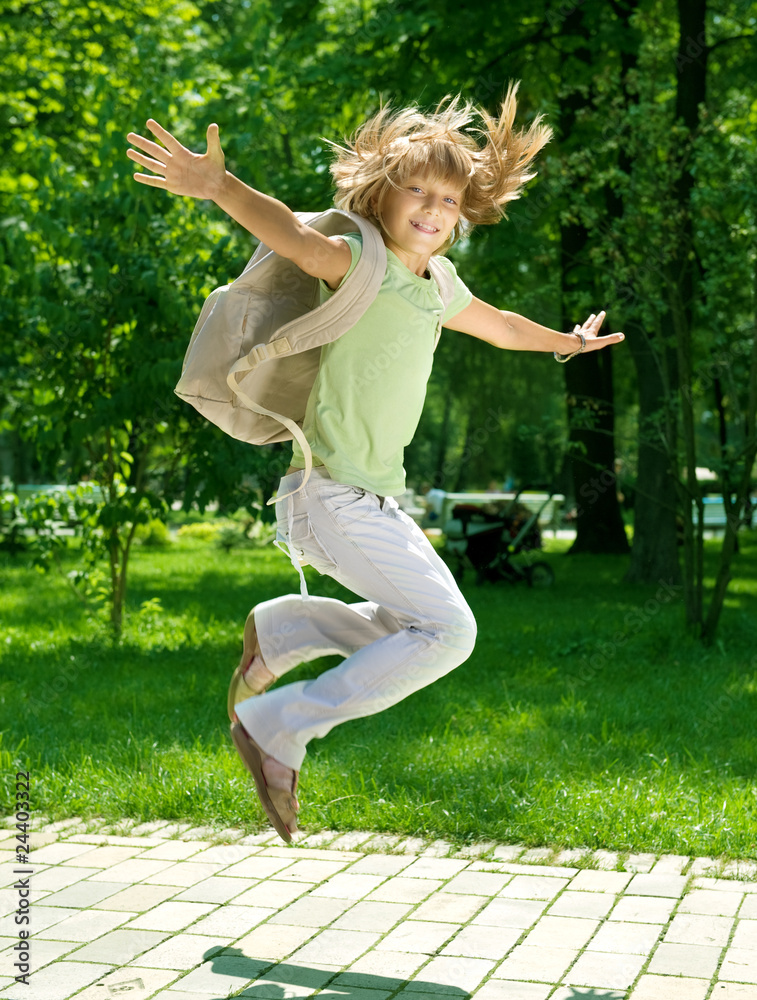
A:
(164, 911)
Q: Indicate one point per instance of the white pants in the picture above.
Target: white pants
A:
(413, 626)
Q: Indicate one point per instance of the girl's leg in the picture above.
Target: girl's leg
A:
(412, 628)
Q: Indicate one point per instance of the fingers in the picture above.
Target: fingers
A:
(147, 146)
(165, 137)
(150, 180)
(146, 161)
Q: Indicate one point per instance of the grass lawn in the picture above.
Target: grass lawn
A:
(586, 717)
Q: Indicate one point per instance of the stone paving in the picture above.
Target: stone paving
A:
(181, 914)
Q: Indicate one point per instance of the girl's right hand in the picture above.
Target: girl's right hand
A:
(178, 170)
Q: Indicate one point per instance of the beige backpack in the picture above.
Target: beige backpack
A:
(255, 349)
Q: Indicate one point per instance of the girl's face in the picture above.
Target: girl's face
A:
(417, 218)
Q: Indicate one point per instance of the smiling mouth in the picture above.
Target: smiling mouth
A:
(431, 230)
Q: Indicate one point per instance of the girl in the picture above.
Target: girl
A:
(421, 179)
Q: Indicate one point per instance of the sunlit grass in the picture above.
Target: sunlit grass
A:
(586, 717)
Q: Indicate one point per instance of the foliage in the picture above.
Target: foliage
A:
(590, 733)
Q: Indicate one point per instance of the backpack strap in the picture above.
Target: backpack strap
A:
(446, 284)
(321, 325)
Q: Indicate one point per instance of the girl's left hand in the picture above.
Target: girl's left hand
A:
(590, 329)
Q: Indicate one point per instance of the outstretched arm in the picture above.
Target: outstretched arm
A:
(204, 175)
(516, 333)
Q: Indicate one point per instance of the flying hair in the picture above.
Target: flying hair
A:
(483, 156)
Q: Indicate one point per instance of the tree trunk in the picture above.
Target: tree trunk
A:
(588, 379)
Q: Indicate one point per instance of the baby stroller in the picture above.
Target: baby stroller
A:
(487, 540)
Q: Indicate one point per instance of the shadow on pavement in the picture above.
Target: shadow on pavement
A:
(283, 980)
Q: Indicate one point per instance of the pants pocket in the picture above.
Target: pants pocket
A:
(304, 543)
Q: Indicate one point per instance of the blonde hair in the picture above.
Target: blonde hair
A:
(395, 145)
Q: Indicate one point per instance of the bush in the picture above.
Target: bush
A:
(155, 532)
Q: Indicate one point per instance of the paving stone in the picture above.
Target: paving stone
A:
(510, 912)
(536, 854)
(733, 991)
(739, 965)
(437, 849)
(541, 870)
(382, 842)
(606, 860)
(216, 889)
(640, 862)
(135, 870)
(572, 855)
(321, 839)
(695, 960)
(670, 864)
(476, 883)
(417, 936)
(605, 971)
(560, 932)
(594, 881)
(670, 988)
(411, 845)
(57, 853)
(137, 898)
(723, 884)
(591, 905)
(534, 887)
(57, 982)
(134, 983)
(692, 928)
(309, 911)
(380, 864)
(106, 857)
(477, 850)
(745, 936)
(223, 854)
(222, 977)
(273, 941)
(174, 850)
(335, 947)
(539, 964)
(44, 916)
(257, 866)
(644, 909)
(656, 885)
(404, 890)
(309, 870)
(120, 947)
(84, 925)
(273, 894)
(501, 989)
(54, 879)
(381, 969)
(183, 873)
(703, 866)
(436, 868)
(345, 886)
(372, 915)
(171, 916)
(705, 901)
(182, 952)
(350, 841)
(84, 894)
(451, 907)
(449, 976)
(620, 937)
(231, 922)
(569, 993)
(479, 941)
(508, 852)
(739, 869)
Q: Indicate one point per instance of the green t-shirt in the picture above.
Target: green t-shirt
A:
(368, 395)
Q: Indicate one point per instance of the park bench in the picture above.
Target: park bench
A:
(714, 516)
